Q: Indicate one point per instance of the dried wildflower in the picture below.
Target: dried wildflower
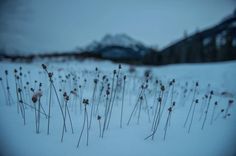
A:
(44, 66)
(50, 74)
(6, 72)
(85, 101)
(99, 117)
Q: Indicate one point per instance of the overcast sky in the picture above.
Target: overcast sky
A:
(59, 25)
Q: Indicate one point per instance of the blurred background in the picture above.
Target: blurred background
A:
(153, 32)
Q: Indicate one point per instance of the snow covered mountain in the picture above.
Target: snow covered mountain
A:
(118, 46)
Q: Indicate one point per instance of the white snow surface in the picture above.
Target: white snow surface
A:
(217, 139)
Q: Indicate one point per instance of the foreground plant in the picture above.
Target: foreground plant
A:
(50, 74)
(191, 105)
(206, 112)
(8, 88)
(213, 112)
(36, 98)
(138, 104)
(85, 102)
(170, 109)
(100, 127)
(230, 103)
(66, 98)
(93, 100)
(122, 104)
(191, 121)
(157, 115)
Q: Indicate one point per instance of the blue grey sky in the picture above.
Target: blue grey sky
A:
(60, 25)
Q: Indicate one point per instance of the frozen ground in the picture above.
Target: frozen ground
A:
(215, 139)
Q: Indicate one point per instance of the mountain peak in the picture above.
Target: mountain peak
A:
(119, 40)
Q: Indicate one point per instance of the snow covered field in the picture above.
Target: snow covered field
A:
(215, 137)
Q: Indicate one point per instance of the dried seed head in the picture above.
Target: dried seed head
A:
(159, 99)
(50, 75)
(85, 101)
(67, 98)
(34, 99)
(119, 66)
(170, 109)
(162, 88)
(231, 101)
(211, 92)
(196, 101)
(173, 103)
(156, 81)
(19, 90)
(36, 95)
(64, 94)
(124, 77)
(173, 80)
(15, 71)
(44, 66)
(95, 81)
(114, 72)
(73, 92)
(141, 97)
(99, 117)
(142, 86)
(196, 84)
(107, 92)
(104, 76)
(0, 78)
(6, 72)
(222, 110)
(216, 103)
(96, 69)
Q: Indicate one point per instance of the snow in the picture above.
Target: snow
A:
(214, 140)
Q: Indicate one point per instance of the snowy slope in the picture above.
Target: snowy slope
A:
(214, 140)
